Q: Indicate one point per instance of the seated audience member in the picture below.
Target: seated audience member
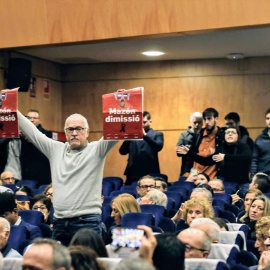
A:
(154, 196)
(202, 192)
(197, 243)
(264, 261)
(232, 163)
(217, 186)
(8, 209)
(201, 178)
(221, 223)
(26, 191)
(144, 185)
(46, 254)
(48, 192)
(260, 181)
(83, 258)
(161, 184)
(259, 207)
(7, 178)
(91, 239)
(208, 226)
(249, 196)
(169, 253)
(5, 247)
(194, 208)
(134, 264)
(122, 204)
(43, 204)
(262, 227)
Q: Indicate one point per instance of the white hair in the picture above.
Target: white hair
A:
(158, 197)
(217, 181)
(5, 226)
(196, 114)
(211, 228)
(75, 115)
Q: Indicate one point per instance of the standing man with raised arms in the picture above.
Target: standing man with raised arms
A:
(77, 171)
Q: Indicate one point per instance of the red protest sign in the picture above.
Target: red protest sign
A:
(122, 115)
(8, 114)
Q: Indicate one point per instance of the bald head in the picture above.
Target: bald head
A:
(197, 243)
(7, 177)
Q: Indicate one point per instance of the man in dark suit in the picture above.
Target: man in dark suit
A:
(8, 210)
(143, 155)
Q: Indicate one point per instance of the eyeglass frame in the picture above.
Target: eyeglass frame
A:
(42, 207)
(230, 132)
(146, 186)
(188, 248)
(70, 130)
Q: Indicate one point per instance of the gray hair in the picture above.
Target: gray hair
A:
(134, 264)
(5, 226)
(158, 197)
(207, 225)
(217, 181)
(206, 242)
(61, 256)
(196, 114)
(208, 193)
(77, 115)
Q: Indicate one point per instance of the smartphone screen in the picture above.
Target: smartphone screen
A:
(127, 237)
(193, 172)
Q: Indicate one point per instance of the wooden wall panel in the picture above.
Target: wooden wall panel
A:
(31, 22)
(50, 110)
(173, 90)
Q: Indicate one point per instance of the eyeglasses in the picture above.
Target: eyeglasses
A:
(49, 194)
(9, 178)
(157, 187)
(77, 129)
(145, 186)
(42, 207)
(230, 132)
(189, 248)
(32, 118)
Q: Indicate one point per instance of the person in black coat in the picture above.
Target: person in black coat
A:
(233, 161)
(143, 155)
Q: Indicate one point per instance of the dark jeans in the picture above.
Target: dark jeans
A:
(65, 228)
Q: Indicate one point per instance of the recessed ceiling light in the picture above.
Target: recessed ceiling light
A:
(153, 53)
(234, 56)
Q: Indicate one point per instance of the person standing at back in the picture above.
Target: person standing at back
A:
(261, 151)
(143, 154)
(186, 138)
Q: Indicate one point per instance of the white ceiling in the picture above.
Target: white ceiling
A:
(251, 42)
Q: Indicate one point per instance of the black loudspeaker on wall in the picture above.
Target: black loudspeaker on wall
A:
(19, 74)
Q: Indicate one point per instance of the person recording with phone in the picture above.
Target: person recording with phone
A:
(232, 161)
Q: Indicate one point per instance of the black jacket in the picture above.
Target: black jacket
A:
(196, 143)
(236, 164)
(143, 155)
(261, 154)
